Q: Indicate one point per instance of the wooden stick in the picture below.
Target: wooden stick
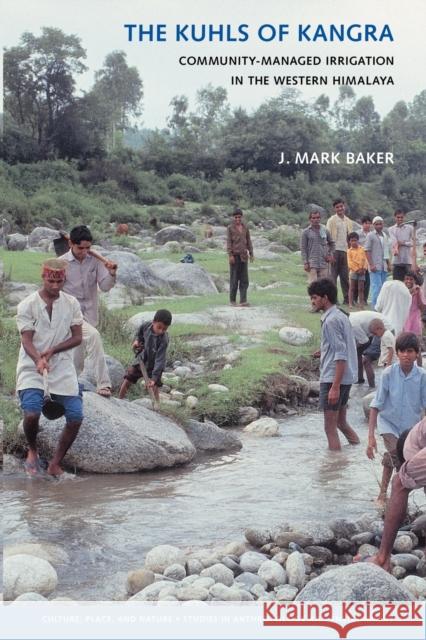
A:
(155, 404)
(108, 263)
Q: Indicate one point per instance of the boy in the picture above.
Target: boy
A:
(418, 306)
(387, 343)
(397, 406)
(357, 263)
(152, 340)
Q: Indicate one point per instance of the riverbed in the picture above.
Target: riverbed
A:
(106, 523)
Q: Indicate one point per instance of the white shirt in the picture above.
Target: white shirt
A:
(341, 234)
(32, 316)
(360, 321)
(387, 342)
(394, 302)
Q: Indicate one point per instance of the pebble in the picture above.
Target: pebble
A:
(403, 544)
(192, 593)
(286, 593)
(194, 566)
(258, 537)
(219, 573)
(251, 560)
(176, 571)
(273, 573)
(218, 388)
(191, 402)
(295, 568)
(138, 580)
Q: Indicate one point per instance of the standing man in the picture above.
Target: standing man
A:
(339, 227)
(363, 233)
(317, 248)
(49, 322)
(377, 250)
(401, 237)
(84, 275)
(338, 365)
(240, 249)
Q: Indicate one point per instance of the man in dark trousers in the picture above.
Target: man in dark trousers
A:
(339, 226)
(240, 249)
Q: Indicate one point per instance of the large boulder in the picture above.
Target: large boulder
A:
(135, 274)
(118, 437)
(184, 278)
(15, 292)
(115, 369)
(174, 232)
(295, 335)
(207, 436)
(162, 556)
(23, 573)
(39, 234)
(263, 427)
(16, 242)
(44, 550)
(360, 581)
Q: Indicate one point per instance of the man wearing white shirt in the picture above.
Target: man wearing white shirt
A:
(394, 303)
(50, 324)
(401, 236)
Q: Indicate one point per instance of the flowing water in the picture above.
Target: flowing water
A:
(106, 523)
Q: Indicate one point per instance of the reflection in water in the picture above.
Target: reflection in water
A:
(107, 523)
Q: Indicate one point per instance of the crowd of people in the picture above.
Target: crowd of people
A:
(58, 334)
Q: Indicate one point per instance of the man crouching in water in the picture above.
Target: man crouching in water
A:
(49, 322)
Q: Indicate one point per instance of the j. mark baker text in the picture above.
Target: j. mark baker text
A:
(337, 157)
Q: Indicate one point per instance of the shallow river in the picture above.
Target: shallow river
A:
(107, 523)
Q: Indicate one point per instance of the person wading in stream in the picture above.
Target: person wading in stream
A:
(240, 249)
(50, 324)
(338, 365)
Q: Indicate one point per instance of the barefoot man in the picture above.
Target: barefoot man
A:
(412, 475)
(50, 324)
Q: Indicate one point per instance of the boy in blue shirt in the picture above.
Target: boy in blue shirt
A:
(397, 405)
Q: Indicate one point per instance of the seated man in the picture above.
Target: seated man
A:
(85, 274)
(412, 475)
(50, 324)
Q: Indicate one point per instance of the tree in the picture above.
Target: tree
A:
(39, 82)
(121, 89)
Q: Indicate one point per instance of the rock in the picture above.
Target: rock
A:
(236, 548)
(162, 556)
(263, 427)
(138, 580)
(281, 557)
(362, 538)
(23, 574)
(343, 545)
(135, 274)
(258, 591)
(344, 528)
(118, 437)
(194, 567)
(184, 278)
(284, 538)
(366, 401)
(407, 560)
(320, 533)
(45, 550)
(219, 573)
(218, 388)
(11, 464)
(320, 555)
(295, 568)
(207, 436)
(416, 585)
(152, 591)
(190, 580)
(232, 564)
(16, 242)
(182, 372)
(403, 544)
(295, 335)
(41, 233)
(398, 572)
(115, 369)
(15, 292)
(174, 233)
(258, 537)
(272, 573)
(419, 525)
(224, 593)
(191, 402)
(168, 592)
(30, 596)
(248, 580)
(172, 246)
(366, 550)
(421, 568)
(286, 593)
(251, 560)
(247, 415)
(175, 571)
(192, 593)
(315, 207)
(359, 581)
(205, 582)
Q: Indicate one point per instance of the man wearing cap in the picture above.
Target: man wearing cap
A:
(377, 250)
(50, 323)
(401, 237)
(316, 247)
(240, 249)
(84, 275)
(339, 226)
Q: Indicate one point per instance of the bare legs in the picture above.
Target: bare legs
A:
(68, 435)
(369, 371)
(335, 421)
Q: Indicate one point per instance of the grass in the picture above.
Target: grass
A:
(246, 379)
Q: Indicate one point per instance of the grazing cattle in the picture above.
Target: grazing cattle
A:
(122, 229)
